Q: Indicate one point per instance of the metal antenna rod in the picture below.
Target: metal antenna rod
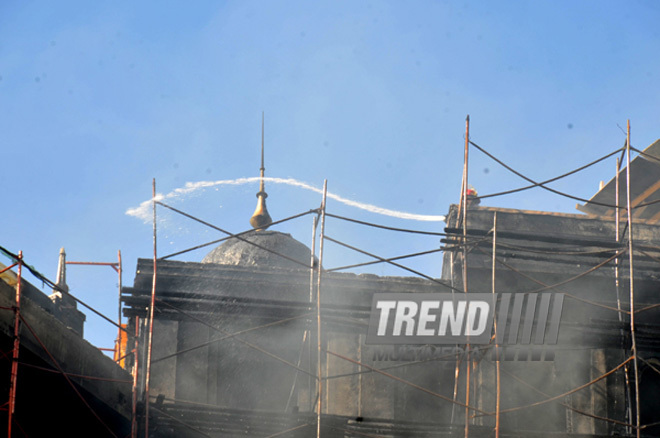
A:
(260, 219)
(262, 145)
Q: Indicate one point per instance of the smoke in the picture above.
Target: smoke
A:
(143, 211)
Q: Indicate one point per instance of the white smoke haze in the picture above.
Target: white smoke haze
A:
(144, 211)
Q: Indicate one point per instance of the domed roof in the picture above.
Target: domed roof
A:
(238, 252)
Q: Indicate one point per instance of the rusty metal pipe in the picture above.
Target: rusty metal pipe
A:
(134, 426)
(150, 333)
(17, 344)
(8, 268)
(119, 332)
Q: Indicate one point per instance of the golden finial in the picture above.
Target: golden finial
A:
(261, 220)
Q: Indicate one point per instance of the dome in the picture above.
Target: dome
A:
(238, 252)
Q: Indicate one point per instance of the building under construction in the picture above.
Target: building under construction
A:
(262, 339)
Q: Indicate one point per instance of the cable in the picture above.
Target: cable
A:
(649, 255)
(393, 263)
(556, 252)
(456, 355)
(101, 315)
(231, 234)
(600, 265)
(432, 251)
(406, 382)
(551, 238)
(385, 227)
(243, 341)
(194, 429)
(646, 204)
(508, 192)
(57, 365)
(45, 280)
(354, 432)
(645, 155)
(80, 376)
(545, 286)
(203, 405)
(574, 390)
(231, 335)
(510, 169)
(587, 414)
(289, 430)
(238, 234)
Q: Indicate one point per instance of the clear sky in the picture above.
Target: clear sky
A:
(98, 98)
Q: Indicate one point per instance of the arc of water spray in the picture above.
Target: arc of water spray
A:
(143, 210)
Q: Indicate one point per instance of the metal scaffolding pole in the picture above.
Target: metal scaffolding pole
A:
(497, 349)
(315, 221)
(306, 339)
(465, 279)
(151, 319)
(134, 425)
(318, 312)
(458, 358)
(119, 331)
(17, 344)
(617, 226)
(632, 288)
(118, 269)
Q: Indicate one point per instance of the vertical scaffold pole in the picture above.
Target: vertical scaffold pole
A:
(458, 358)
(134, 424)
(17, 344)
(632, 288)
(119, 334)
(617, 286)
(315, 221)
(318, 313)
(465, 279)
(497, 347)
(151, 319)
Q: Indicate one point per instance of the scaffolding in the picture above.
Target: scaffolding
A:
(20, 322)
(460, 243)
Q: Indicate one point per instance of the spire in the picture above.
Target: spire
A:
(261, 220)
(61, 272)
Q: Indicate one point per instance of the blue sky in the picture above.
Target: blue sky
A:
(98, 98)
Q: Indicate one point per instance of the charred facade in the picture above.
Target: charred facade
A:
(234, 346)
